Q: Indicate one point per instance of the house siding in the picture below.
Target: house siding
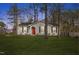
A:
(41, 25)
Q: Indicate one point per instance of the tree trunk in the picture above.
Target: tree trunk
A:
(35, 12)
(13, 12)
(46, 22)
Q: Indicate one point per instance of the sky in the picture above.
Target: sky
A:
(4, 7)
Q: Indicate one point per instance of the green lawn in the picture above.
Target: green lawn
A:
(37, 45)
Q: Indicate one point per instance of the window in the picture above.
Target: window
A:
(52, 29)
(39, 29)
(28, 28)
(42, 28)
(56, 29)
(22, 29)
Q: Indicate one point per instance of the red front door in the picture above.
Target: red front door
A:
(33, 30)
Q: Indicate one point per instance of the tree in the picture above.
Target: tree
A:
(2, 24)
(66, 16)
(14, 14)
(29, 13)
(57, 8)
(2, 27)
(76, 19)
(46, 20)
(35, 12)
(66, 28)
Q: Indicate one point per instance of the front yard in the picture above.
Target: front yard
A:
(37, 45)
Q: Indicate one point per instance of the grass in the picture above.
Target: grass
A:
(37, 45)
